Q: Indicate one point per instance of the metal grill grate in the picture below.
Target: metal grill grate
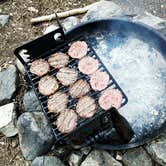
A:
(72, 102)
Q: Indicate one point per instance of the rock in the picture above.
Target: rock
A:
(75, 159)
(150, 20)
(100, 158)
(35, 134)
(8, 119)
(119, 156)
(102, 10)
(50, 28)
(137, 156)
(8, 84)
(157, 149)
(4, 19)
(32, 9)
(86, 150)
(31, 102)
(47, 161)
(70, 22)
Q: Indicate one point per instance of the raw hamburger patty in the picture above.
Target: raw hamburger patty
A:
(66, 121)
(110, 98)
(48, 85)
(88, 65)
(86, 107)
(39, 67)
(58, 60)
(99, 80)
(67, 76)
(79, 89)
(57, 102)
(78, 49)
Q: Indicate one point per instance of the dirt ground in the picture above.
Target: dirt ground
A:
(15, 33)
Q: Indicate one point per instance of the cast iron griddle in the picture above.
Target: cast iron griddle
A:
(135, 54)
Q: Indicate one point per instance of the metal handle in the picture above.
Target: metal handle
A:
(121, 125)
(43, 45)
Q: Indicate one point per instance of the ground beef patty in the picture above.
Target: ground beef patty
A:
(79, 89)
(39, 67)
(67, 76)
(86, 107)
(58, 60)
(67, 121)
(110, 98)
(78, 49)
(48, 85)
(99, 80)
(88, 65)
(57, 102)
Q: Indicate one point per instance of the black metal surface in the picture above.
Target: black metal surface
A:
(114, 33)
(63, 46)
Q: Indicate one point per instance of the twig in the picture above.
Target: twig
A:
(61, 15)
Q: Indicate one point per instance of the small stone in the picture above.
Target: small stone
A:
(14, 143)
(8, 84)
(4, 19)
(102, 10)
(35, 134)
(2, 143)
(70, 22)
(74, 159)
(31, 102)
(86, 150)
(100, 158)
(119, 156)
(32, 9)
(137, 156)
(47, 161)
(8, 118)
(157, 149)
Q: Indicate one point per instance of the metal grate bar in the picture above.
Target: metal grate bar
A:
(73, 63)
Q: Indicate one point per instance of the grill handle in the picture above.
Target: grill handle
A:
(120, 124)
(41, 46)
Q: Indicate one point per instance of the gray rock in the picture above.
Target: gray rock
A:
(137, 156)
(47, 161)
(4, 19)
(8, 84)
(31, 102)
(157, 149)
(75, 159)
(70, 22)
(8, 119)
(86, 150)
(102, 10)
(100, 158)
(150, 20)
(35, 134)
